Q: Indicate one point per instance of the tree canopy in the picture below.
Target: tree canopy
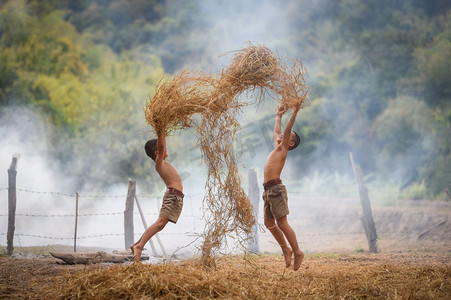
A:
(380, 75)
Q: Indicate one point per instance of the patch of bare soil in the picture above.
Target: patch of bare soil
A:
(31, 268)
(21, 278)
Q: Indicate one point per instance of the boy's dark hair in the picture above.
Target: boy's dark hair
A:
(151, 147)
(296, 140)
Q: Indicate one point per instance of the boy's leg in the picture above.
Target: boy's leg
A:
(280, 238)
(291, 237)
(138, 247)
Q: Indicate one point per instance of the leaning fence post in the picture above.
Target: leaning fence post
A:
(76, 222)
(12, 172)
(447, 191)
(152, 246)
(128, 214)
(254, 196)
(368, 222)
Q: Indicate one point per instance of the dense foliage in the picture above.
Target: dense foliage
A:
(380, 73)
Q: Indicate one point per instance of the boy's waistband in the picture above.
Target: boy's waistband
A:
(175, 191)
(272, 182)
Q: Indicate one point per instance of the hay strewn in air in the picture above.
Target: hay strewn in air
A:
(256, 68)
(215, 99)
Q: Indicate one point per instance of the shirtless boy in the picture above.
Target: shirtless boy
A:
(275, 193)
(172, 199)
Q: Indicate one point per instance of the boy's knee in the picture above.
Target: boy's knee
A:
(270, 223)
(282, 226)
(161, 223)
(282, 222)
(160, 226)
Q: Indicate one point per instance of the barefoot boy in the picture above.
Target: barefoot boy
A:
(275, 193)
(172, 199)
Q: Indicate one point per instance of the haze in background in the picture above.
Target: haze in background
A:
(231, 26)
(227, 26)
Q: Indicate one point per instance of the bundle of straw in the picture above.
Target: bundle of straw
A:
(291, 86)
(177, 100)
(254, 66)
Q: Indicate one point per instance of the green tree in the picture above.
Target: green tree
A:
(433, 66)
(403, 139)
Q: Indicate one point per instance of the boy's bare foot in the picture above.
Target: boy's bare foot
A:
(136, 250)
(287, 253)
(298, 258)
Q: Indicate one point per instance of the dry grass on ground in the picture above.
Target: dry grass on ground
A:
(353, 276)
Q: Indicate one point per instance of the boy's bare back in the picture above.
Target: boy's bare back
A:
(169, 175)
(166, 170)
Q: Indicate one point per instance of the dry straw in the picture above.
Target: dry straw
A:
(402, 276)
(211, 105)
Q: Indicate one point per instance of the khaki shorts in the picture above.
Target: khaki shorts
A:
(171, 207)
(276, 201)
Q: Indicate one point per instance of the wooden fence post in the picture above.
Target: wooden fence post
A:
(12, 172)
(76, 222)
(447, 191)
(368, 222)
(254, 197)
(128, 214)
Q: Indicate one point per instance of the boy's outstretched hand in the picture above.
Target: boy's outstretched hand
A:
(280, 110)
(297, 107)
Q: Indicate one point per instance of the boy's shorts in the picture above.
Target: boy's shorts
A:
(276, 201)
(172, 205)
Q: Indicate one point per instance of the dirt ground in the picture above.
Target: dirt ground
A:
(348, 276)
(20, 278)
(414, 262)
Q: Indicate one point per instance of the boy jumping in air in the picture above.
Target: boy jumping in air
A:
(172, 199)
(275, 193)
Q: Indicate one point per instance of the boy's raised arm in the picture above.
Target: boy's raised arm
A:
(287, 131)
(161, 146)
(278, 125)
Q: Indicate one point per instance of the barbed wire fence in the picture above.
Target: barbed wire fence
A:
(44, 215)
(41, 224)
(50, 216)
(25, 217)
